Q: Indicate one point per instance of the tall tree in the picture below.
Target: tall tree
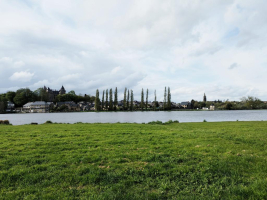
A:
(193, 104)
(132, 99)
(2, 107)
(155, 100)
(125, 99)
(41, 94)
(169, 101)
(251, 102)
(103, 100)
(110, 99)
(3, 103)
(116, 99)
(128, 99)
(72, 92)
(23, 96)
(165, 100)
(10, 95)
(146, 98)
(97, 101)
(142, 99)
(106, 103)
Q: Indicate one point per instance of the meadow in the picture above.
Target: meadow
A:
(222, 160)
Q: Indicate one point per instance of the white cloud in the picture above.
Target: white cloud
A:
(116, 70)
(86, 45)
(23, 76)
(19, 64)
(6, 60)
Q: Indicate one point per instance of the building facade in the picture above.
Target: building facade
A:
(10, 106)
(37, 107)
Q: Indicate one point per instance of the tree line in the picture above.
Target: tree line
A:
(25, 95)
(128, 102)
(245, 103)
(110, 102)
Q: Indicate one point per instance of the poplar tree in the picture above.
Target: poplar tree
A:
(110, 99)
(97, 100)
(169, 102)
(103, 100)
(115, 98)
(106, 103)
(146, 98)
(165, 99)
(132, 99)
(155, 100)
(128, 99)
(142, 99)
(124, 99)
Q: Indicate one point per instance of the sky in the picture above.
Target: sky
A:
(194, 47)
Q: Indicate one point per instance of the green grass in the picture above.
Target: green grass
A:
(225, 160)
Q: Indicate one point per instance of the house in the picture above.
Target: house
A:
(71, 105)
(160, 104)
(212, 107)
(185, 105)
(84, 106)
(120, 104)
(174, 105)
(10, 106)
(135, 103)
(37, 107)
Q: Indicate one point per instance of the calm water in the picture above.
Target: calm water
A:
(138, 117)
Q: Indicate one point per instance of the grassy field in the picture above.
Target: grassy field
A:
(225, 160)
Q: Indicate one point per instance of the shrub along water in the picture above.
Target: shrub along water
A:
(4, 122)
(224, 160)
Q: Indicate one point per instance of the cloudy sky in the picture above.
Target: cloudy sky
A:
(196, 46)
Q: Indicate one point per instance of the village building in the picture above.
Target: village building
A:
(185, 105)
(10, 106)
(37, 107)
(70, 105)
(212, 107)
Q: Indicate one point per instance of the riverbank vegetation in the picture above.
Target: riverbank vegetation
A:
(71, 102)
(245, 103)
(25, 95)
(173, 160)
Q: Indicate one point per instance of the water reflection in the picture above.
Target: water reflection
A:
(136, 117)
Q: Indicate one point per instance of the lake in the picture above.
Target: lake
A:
(136, 117)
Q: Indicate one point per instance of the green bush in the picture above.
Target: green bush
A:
(169, 122)
(155, 122)
(48, 122)
(4, 122)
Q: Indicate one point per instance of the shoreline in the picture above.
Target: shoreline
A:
(122, 111)
(132, 123)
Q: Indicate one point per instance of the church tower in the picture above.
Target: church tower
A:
(204, 98)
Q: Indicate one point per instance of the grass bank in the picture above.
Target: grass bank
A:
(225, 160)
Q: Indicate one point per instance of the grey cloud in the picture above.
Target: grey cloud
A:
(232, 66)
(210, 49)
